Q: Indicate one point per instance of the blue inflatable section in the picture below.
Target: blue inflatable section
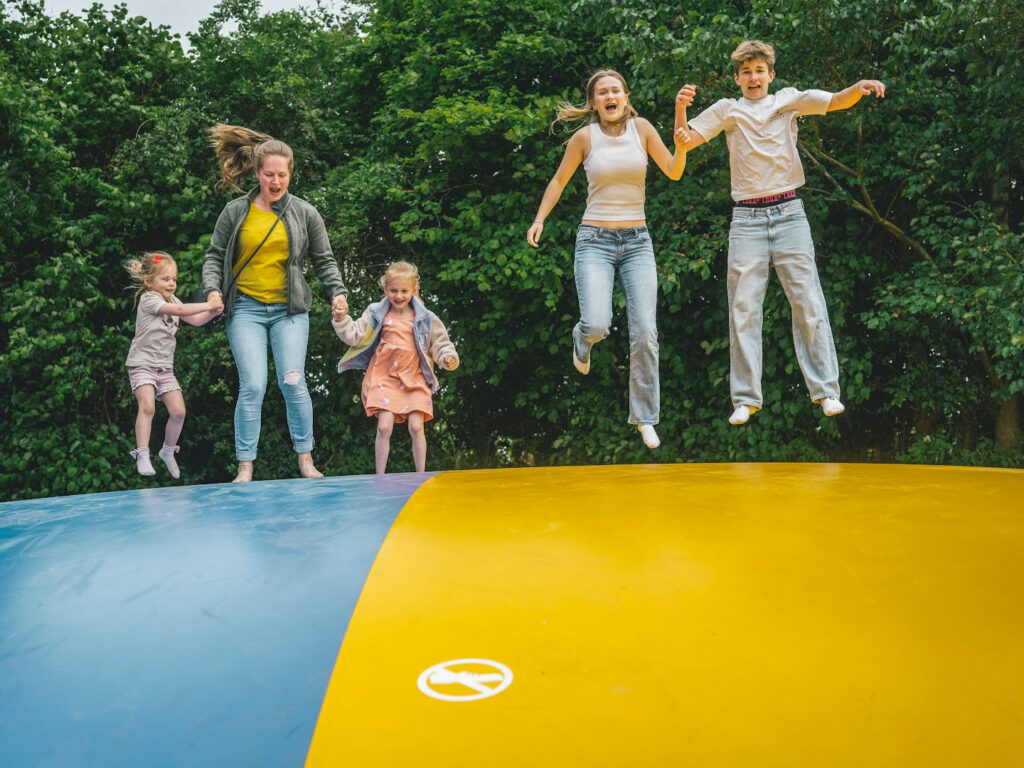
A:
(186, 626)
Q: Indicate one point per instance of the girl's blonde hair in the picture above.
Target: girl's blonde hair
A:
(401, 269)
(146, 267)
(569, 113)
(241, 150)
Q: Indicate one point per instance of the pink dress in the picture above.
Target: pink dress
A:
(394, 380)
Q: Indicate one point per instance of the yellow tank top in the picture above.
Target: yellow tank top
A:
(266, 278)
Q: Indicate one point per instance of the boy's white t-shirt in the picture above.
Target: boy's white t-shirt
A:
(761, 134)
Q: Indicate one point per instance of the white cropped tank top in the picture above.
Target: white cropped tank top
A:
(616, 172)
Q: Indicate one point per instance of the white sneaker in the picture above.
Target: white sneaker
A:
(650, 437)
(742, 414)
(831, 406)
(142, 462)
(167, 454)
(582, 367)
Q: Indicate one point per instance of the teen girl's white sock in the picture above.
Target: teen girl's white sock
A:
(167, 454)
(142, 462)
(831, 406)
(650, 437)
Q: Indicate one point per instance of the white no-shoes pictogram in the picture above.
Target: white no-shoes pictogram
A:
(465, 679)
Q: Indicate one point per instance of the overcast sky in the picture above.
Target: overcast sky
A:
(181, 15)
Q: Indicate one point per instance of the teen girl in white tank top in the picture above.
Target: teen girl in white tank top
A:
(613, 238)
(616, 174)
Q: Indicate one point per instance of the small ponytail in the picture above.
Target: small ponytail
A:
(145, 268)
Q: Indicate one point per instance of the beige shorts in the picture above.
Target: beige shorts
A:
(161, 379)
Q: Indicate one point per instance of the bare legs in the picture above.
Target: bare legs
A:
(174, 401)
(175, 416)
(419, 441)
(146, 395)
(382, 444)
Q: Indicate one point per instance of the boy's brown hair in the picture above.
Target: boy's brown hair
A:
(753, 49)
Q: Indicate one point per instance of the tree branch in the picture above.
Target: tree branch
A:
(867, 207)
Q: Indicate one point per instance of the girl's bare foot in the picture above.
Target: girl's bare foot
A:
(244, 472)
(306, 468)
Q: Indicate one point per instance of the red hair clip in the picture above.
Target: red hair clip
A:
(157, 257)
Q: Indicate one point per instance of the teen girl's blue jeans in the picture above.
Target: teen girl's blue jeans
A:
(761, 238)
(600, 254)
(251, 326)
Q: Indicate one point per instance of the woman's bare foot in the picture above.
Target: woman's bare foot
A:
(306, 468)
(244, 472)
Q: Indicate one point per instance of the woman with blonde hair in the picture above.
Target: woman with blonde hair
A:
(613, 239)
(254, 270)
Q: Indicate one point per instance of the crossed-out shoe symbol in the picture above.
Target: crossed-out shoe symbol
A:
(465, 679)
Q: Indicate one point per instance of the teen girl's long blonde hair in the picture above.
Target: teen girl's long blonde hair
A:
(573, 113)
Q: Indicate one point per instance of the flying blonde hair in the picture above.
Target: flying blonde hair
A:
(570, 113)
(145, 268)
(242, 150)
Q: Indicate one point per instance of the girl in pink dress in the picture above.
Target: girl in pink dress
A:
(397, 341)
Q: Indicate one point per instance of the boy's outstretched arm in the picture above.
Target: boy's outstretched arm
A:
(847, 97)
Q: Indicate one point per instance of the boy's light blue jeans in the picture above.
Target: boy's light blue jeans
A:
(776, 236)
(600, 253)
(250, 327)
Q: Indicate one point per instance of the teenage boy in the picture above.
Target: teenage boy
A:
(769, 228)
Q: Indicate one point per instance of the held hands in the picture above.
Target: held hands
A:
(339, 307)
(533, 234)
(216, 301)
(681, 135)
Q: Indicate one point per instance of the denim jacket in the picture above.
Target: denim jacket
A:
(363, 335)
(307, 235)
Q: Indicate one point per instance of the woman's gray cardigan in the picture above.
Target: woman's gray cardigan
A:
(307, 235)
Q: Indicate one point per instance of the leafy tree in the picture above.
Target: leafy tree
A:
(422, 131)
